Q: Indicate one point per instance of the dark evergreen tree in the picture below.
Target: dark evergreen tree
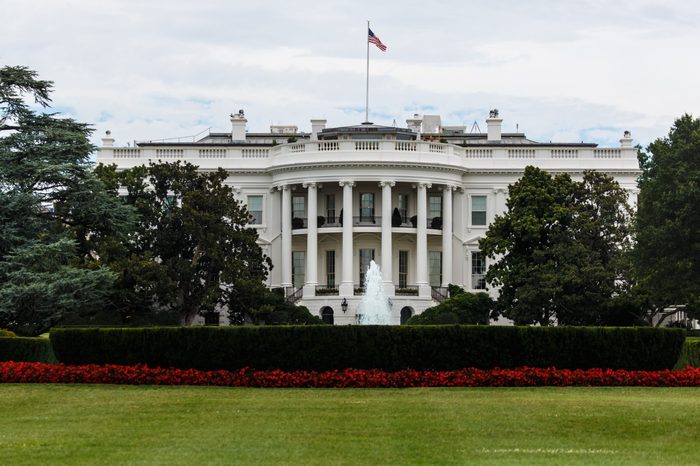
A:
(54, 213)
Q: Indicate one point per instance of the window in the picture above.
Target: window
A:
(298, 268)
(366, 256)
(255, 209)
(403, 269)
(435, 267)
(367, 207)
(403, 207)
(478, 271)
(434, 206)
(330, 208)
(298, 207)
(330, 269)
(479, 210)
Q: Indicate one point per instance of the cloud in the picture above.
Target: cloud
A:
(145, 70)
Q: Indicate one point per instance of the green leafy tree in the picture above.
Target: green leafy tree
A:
(460, 308)
(50, 204)
(667, 252)
(559, 251)
(191, 252)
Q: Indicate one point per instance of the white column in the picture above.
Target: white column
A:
(346, 287)
(311, 241)
(422, 241)
(286, 236)
(387, 251)
(447, 235)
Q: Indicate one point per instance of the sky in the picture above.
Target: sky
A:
(557, 70)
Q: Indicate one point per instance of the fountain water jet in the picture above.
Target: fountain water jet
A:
(374, 308)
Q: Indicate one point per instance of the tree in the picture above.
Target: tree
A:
(667, 252)
(460, 308)
(191, 252)
(52, 208)
(559, 250)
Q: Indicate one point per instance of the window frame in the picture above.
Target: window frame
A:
(255, 220)
(472, 211)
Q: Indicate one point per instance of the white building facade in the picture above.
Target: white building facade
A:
(415, 200)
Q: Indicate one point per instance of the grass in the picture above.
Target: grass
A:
(85, 424)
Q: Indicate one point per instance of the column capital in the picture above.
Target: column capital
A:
(283, 187)
(500, 189)
(309, 184)
(387, 183)
(236, 189)
(448, 187)
(346, 182)
(422, 184)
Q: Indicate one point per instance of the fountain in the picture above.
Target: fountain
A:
(374, 308)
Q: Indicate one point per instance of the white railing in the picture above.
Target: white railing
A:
(405, 146)
(127, 153)
(521, 153)
(564, 153)
(297, 147)
(403, 150)
(170, 153)
(607, 153)
(255, 153)
(212, 153)
(478, 153)
(366, 145)
(328, 145)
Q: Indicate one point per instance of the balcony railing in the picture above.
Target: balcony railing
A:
(300, 223)
(327, 290)
(367, 220)
(406, 290)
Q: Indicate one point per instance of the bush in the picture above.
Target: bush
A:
(460, 308)
(372, 347)
(690, 354)
(30, 349)
(7, 333)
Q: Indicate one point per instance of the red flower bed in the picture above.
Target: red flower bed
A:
(34, 372)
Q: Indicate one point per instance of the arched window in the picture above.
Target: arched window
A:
(406, 314)
(327, 315)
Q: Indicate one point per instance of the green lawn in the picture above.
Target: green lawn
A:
(86, 424)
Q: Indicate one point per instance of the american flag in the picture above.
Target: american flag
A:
(375, 40)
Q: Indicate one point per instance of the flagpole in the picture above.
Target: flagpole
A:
(367, 84)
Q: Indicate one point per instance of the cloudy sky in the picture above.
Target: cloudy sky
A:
(562, 70)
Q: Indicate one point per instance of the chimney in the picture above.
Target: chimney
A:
(625, 142)
(238, 122)
(493, 123)
(414, 124)
(108, 140)
(316, 127)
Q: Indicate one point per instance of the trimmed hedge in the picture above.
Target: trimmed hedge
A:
(690, 354)
(372, 347)
(26, 349)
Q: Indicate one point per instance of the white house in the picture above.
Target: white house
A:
(415, 199)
